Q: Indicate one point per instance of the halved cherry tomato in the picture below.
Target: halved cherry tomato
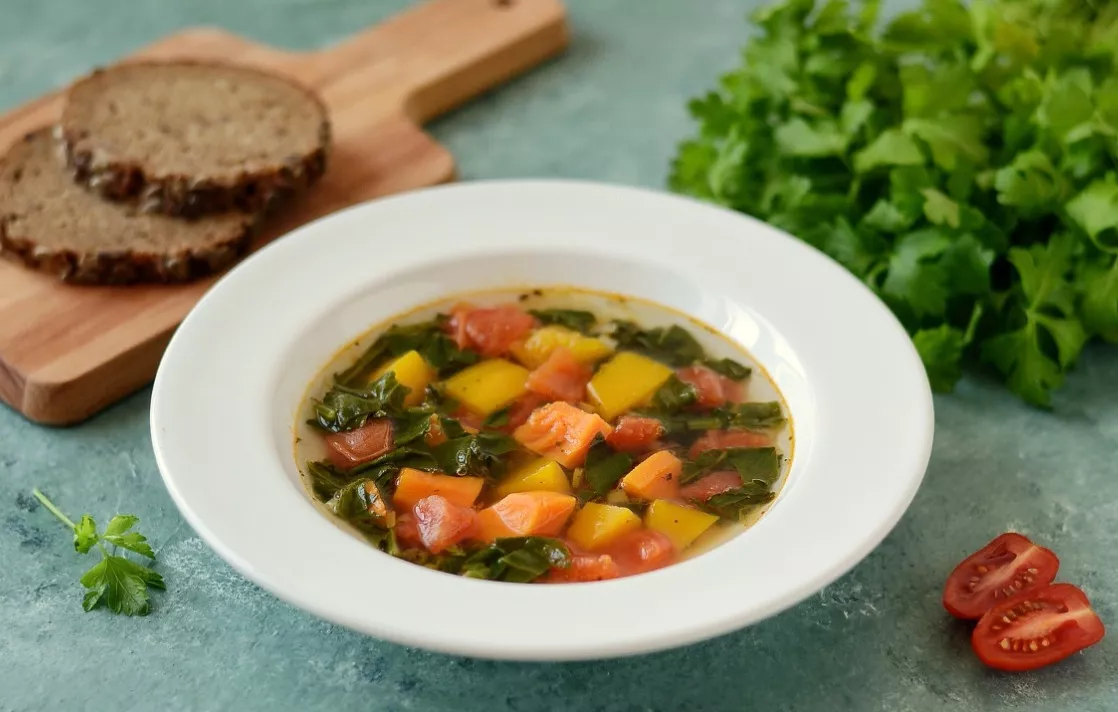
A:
(1037, 627)
(489, 331)
(1003, 568)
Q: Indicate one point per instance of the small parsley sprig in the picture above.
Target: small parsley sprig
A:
(119, 583)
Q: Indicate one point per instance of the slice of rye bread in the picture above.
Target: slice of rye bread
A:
(190, 138)
(49, 222)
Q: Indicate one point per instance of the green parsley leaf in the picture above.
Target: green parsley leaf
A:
(927, 157)
(119, 584)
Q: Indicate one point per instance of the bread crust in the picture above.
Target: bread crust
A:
(121, 267)
(189, 196)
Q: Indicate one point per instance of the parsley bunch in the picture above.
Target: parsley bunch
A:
(116, 582)
(961, 161)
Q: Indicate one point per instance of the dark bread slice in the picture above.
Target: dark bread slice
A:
(190, 138)
(51, 223)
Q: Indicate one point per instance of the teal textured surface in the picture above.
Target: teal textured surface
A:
(612, 109)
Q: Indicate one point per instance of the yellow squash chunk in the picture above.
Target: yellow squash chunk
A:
(533, 351)
(413, 371)
(625, 381)
(540, 475)
(598, 525)
(488, 386)
(682, 525)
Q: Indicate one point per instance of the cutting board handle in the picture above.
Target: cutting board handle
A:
(437, 55)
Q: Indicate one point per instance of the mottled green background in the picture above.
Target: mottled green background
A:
(612, 109)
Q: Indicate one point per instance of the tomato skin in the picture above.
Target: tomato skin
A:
(1045, 625)
(710, 485)
(350, 448)
(1009, 564)
(641, 551)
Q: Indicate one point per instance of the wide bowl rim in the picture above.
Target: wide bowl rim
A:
(236, 544)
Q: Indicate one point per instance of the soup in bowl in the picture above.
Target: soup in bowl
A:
(544, 435)
(666, 335)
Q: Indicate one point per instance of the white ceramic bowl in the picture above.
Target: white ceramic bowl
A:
(234, 374)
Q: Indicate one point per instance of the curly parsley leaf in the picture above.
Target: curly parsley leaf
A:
(926, 157)
(118, 583)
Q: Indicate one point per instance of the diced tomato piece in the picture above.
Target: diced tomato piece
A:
(1037, 627)
(456, 325)
(521, 410)
(724, 439)
(489, 331)
(526, 514)
(469, 420)
(1006, 566)
(354, 447)
(561, 377)
(635, 434)
(442, 524)
(585, 567)
(714, 388)
(407, 531)
(641, 551)
(710, 485)
(562, 432)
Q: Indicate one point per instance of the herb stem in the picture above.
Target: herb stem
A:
(53, 509)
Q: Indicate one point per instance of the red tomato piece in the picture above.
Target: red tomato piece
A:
(472, 422)
(489, 331)
(1037, 627)
(723, 439)
(521, 410)
(709, 485)
(641, 551)
(456, 326)
(353, 447)
(441, 523)
(1003, 568)
(635, 434)
(714, 388)
(560, 377)
(585, 567)
(407, 531)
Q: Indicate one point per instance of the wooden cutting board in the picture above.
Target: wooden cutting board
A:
(67, 351)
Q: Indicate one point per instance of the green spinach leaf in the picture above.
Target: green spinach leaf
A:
(604, 467)
(673, 345)
(573, 319)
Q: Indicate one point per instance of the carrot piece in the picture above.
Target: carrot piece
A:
(413, 485)
(441, 523)
(641, 551)
(560, 377)
(723, 439)
(561, 432)
(656, 477)
(710, 485)
(351, 448)
(585, 567)
(525, 514)
(635, 434)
